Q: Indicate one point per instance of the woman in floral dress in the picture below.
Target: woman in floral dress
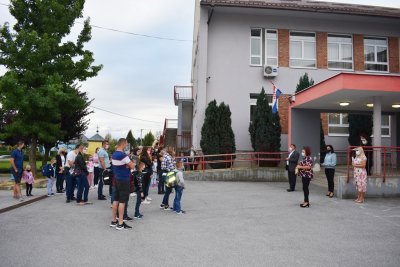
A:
(306, 173)
(360, 173)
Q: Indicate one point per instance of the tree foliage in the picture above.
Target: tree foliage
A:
(265, 128)
(217, 136)
(131, 140)
(148, 139)
(304, 82)
(43, 69)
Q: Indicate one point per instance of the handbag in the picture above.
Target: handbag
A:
(76, 172)
(106, 177)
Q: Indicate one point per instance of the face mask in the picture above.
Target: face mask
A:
(107, 146)
(303, 154)
(28, 170)
(328, 149)
(358, 153)
(290, 149)
(364, 141)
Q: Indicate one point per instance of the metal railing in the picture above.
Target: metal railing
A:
(183, 93)
(184, 141)
(382, 162)
(230, 161)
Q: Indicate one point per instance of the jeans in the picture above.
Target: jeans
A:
(60, 182)
(138, 202)
(178, 197)
(70, 181)
(83, 187)
(166, 196)
(146, 184)
(100, 184)
(50, 183)
(306, 183)
(96, 175)
(161, 188)
(330, 174)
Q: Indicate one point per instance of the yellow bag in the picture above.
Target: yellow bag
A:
(170, 179)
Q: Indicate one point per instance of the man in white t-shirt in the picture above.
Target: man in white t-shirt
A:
(70, 179)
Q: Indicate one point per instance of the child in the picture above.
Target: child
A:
(29, 180)
(51, 176)
(180, 185)
(90, 177)
(139, 188)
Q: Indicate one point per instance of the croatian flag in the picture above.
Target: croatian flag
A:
(275, 96)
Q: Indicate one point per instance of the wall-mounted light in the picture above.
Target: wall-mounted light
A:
(370, 105)
(344, 104)
(396, 106)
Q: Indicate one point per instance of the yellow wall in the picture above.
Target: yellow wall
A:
(92, 147)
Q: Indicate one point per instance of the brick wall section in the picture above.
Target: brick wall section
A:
(283, 108)
(394, 54)
(358, 51)
(322, 50)
(324, 118)
(283, 44)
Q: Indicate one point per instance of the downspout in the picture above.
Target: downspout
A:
(210, 16)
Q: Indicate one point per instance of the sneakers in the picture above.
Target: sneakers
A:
(146, 202)
(113, 224)
(102, 198)
(166, 207)
(149, 199)
(181, 212)
(133, 194)
(162, 206)
(140, 216)
(123, 226)
(50, 195)
(128, 219)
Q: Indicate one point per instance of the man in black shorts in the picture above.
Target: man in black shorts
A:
(17, 167)
(122, 166)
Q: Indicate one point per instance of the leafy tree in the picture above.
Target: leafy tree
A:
(305, 82)
(43, 68)
(265, 129)
(131, 140)
(359, 125)
(217, 136)
(148, 139)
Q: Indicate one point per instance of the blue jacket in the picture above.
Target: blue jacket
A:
(330, 161)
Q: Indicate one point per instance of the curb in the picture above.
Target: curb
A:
(22, 204)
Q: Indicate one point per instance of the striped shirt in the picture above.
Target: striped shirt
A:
(120, 163)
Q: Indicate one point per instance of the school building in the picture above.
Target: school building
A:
(350, 51)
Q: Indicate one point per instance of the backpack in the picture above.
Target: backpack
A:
(170, 179)
(46, 170)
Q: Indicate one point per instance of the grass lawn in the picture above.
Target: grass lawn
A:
(5, 165)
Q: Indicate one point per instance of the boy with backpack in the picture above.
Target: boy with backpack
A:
(49, 171)
(179, 186)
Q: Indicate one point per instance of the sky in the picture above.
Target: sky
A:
(139, 73)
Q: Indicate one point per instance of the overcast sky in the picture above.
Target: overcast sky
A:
(139, 73)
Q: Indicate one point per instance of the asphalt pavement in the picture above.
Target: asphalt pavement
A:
(226, 224)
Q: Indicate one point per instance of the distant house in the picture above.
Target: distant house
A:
(351, 52)
(94, 142)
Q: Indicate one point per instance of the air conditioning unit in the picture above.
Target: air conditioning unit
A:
(270, 71)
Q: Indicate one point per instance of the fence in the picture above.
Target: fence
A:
(381, 161)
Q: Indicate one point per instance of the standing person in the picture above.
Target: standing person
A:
(104, 160)
(51, 174)
(306, 173)
(160, 185)
(329, 164)
(365, 143)
(81, 172)
(17, 167)
(60, 163)
(148, 172)
(29, 180)
(180, 185)
(360, 173)
(121, 170)
(138, 180)
(90, 167)
(96, 167)
(291, 163)
(167, 165)
(192, 153)
(68, 170)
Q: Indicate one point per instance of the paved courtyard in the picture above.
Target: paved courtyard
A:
(227, 224)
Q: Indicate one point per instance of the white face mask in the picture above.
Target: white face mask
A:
(303, 154)
(290, 149)
(358, 152)
(363, 141)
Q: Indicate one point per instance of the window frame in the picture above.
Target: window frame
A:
(266, 48)
(261, 47)
(302, 50)
(340, 50)
(375, 54)
(341, 124)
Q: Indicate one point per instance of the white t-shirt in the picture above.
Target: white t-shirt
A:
(70, 157)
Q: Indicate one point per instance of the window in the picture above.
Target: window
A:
(302, 50)
(255, 47)
(375, 54)
(253, 103)
(271, 48)
(338, 125)
(340, 52)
